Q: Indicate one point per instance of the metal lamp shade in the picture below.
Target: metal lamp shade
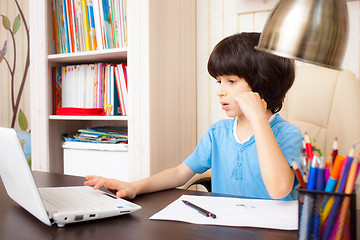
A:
(314, 31)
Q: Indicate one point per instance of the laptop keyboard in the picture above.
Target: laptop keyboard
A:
(79, 199)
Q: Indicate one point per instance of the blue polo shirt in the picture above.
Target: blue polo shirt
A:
(235, 166)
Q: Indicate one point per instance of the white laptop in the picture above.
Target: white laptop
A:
(60, 205)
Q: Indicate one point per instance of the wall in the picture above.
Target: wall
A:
(8, 8)
(217, 19)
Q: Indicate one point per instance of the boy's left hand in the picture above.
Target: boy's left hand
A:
(252, 106)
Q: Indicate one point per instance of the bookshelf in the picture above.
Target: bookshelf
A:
(161, 58)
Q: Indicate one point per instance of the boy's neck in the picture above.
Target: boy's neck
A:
(244, 129)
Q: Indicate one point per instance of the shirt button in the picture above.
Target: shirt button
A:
(238, 164)
(240, 149)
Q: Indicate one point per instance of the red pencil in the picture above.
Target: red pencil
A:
(298, 175)
(308, 146)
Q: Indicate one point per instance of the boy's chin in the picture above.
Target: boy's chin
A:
(232, 114)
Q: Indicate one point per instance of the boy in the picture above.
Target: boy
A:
(250, 154)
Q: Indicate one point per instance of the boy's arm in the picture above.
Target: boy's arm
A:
(169, 178)
(278, 177)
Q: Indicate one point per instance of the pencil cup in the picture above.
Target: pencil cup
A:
(332, 219)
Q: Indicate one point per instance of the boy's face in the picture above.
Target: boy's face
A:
(229, 87)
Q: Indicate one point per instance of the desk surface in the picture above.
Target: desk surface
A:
(16, 223)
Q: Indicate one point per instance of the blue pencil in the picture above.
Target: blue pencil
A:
(307, 208)
(319, 186)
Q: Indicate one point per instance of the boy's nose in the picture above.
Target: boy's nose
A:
(221, 93)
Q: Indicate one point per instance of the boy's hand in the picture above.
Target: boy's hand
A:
(251, 105)
(122, 189)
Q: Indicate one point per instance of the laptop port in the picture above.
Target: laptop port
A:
(92, 215)
(79, 217)
(125, 212)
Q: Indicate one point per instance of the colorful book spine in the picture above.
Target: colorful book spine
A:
(107, 24)
(70, 25)
(91, 23)
(66, 30)
(57, 84)
(98, 24)
(55, 30)
(113, 24)
(75, 26)
(86, 26)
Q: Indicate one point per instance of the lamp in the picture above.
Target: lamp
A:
(314, 31)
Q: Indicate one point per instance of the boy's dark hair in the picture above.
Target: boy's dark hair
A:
(269, 75)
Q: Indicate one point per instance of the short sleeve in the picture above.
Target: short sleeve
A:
(200, 160)
(290, 145)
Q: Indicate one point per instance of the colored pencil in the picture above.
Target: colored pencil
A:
(335, 208)
(307, 208)
(298, 175)
(334, 176)
(308, 147)
(335, 149)
(346, 202)
(319, 186)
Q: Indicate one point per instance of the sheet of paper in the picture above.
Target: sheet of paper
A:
(233, 212)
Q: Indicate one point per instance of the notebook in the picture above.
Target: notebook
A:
(60, 205)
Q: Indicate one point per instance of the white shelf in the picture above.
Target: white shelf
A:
(161, 59)
(70, 117)
(106, 55)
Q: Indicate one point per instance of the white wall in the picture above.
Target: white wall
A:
(217, 19)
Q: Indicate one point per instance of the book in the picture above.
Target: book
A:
(98, 20)
(117, 93)
(86, 25)
(123, 88)
(119, 147)
(91, 22)
(70, 25)
(57, 84)
(66, 28)
(107, 24)
(75, 26)
(55, 30)
(107, 130)
(80, 24)
(80, 111)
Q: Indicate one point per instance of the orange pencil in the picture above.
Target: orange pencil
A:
(298, 175)
(331, 185)
(346, 202)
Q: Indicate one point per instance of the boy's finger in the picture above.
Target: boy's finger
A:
(99, 183)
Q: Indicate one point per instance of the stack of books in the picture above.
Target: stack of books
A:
(98, 85)
(85, 25)
(97, 138)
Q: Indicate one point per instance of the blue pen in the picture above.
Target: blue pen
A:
(320, 175)
(319, 186)
(313, 173)
(307, 208)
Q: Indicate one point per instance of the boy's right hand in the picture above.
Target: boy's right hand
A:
(122, 189)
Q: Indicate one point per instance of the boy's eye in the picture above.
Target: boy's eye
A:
(218, 82)
(232, 81)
